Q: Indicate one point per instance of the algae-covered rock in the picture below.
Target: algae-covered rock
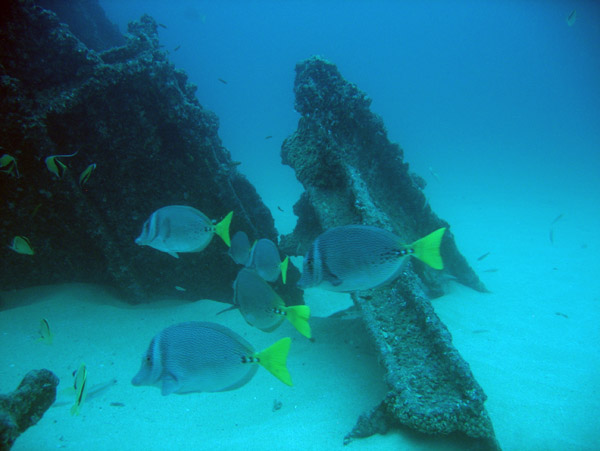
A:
(352, 174)
(25, 406)
(133, 114)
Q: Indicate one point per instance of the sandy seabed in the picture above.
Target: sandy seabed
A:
(533, 344)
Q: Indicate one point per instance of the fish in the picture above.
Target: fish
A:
(179, 228)
(240, 248)
(481, 257)
(359, 257)
(178, 288)
(162, 25)
(558, 218)
(195, 357)
(35, 210)
(8, 165)
(266, 261)
(85, 175)
(268, 136)
(177, 48)
(491, 270)
(21, 245)
(222, 81)
(45, 332)
(56, 166)
(262, 307)
(435, 174)
(79, 385)
(571, 18)
(93, 392)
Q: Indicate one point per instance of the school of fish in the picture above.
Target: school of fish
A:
(207, 357)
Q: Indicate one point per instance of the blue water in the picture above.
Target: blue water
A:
(460, 85)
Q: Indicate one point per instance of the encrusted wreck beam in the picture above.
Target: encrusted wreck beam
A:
(432, 389)
(25, 406)
(352, 174)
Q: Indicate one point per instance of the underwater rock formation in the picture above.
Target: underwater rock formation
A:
(352, 174)
(26, 405)
(135, 116)
(86, 20)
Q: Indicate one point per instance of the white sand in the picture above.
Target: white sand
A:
(540, 370)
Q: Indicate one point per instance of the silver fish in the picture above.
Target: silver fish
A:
(266, 261)
(206, 357)
(262, 307)
(240, 248)
(179, 228)
(359, 257)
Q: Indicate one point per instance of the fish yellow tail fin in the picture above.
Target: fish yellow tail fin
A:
(274, 357)
(222, 228)
(298, 315)
(284, 266)
(427, 249)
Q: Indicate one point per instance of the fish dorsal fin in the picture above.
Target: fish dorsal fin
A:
(222, 228)
(274, 358)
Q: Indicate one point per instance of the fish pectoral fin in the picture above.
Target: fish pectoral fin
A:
(274, 358)
(298, 315)
(169, 385)
(332, 279)
(172, 254)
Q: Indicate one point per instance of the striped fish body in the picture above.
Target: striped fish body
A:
(196, 357)
(177, 228)
(260, 306)
(359, 257)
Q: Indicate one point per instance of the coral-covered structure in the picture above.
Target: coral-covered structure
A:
(25, 406)
(132, 114)
(352, 174)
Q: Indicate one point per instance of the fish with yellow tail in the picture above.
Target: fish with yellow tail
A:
(85, 175)
(360, 257)
(56, 166)
(8, 165)
(45, 332)
(80, 392)
(179, 228)
(21, 245)
(265, 259)
(262, 307)
(197, 357)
